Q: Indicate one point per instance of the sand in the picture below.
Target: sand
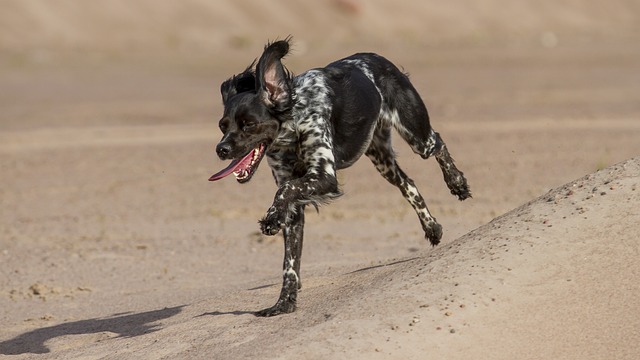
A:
(113, 244)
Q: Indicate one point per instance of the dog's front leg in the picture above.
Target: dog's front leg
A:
(284, 205)
(309, 189)
(293, 233)
(315, 180)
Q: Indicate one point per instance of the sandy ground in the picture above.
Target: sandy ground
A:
(114, 246)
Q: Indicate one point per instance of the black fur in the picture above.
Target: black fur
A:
(318, 122)
(243, 82)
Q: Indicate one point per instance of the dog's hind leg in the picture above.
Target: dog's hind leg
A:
(456, 182)
(381, 154)
(293, 234)
(435, 146)
(406, 111)
(413, 126)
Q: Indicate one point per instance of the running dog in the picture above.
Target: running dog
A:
(313, 124)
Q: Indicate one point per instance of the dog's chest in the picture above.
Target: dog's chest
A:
(307, 129)
(284, 152)
(287, 137)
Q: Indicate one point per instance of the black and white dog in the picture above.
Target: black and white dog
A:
(311, 125)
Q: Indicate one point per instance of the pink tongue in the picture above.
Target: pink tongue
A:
(235, 165)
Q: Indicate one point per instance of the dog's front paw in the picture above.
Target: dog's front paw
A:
(272, 222)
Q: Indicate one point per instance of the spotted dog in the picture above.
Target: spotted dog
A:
(313, 124)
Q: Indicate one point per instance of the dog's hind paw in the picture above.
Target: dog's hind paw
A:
(457, 184)
(460, 189)
(433, 232)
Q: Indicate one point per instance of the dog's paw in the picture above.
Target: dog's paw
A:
(272, 222)
(458, 186)
(433, 232)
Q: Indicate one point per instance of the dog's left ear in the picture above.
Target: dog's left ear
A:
(245, 81)
(273, 80)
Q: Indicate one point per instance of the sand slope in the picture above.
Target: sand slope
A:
(554, 278)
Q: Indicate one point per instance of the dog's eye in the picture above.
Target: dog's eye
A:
(249, 126)
(223, 125)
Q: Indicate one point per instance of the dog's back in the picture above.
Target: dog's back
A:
(355, 93)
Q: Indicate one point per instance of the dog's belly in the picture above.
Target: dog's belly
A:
(349, 150)
(354, 117)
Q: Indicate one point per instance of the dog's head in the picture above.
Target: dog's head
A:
(255, 102)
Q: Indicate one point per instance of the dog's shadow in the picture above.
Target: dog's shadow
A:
(125, 325)
(238, 312)
(218, 313)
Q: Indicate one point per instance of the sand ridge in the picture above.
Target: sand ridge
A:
(564, 263)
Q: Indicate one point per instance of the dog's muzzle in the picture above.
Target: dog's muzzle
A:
(242, 168)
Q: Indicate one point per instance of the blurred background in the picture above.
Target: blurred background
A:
(108, 50)
(109, 115)
(37, 31)
(69, 50)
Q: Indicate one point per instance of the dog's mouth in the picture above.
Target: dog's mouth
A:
(244, 167)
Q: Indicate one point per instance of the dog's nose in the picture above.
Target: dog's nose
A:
(223, 150)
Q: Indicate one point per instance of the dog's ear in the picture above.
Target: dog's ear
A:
(273, 80)
(245, 81)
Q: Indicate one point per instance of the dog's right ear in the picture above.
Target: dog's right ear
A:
(245, 81)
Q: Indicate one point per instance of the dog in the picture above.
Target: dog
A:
(313, 124)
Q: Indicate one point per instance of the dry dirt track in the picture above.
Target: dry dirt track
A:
(114, 245)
